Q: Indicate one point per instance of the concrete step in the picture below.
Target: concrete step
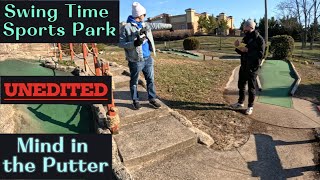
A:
(143, 144)
(128, 115)
(198, 162)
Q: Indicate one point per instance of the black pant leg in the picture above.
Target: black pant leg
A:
(242, 85)
(252, 83)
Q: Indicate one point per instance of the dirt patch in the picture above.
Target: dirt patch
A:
(195, 89)
(9, 119)
(309, 88)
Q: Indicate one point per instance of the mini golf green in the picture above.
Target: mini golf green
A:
(47, 118)
(277, 81)
(182, 54)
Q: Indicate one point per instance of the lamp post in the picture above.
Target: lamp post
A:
(266, 21)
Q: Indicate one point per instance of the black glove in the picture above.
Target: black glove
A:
(143, 31)
(238, 51)
(138, 41)
(171, 30)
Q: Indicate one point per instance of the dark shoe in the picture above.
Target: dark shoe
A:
(136, 105)
(155, 104)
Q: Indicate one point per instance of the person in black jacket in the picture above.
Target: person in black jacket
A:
(251, 56)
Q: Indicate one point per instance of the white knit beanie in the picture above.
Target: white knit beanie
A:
(250, 23)
(138, 9)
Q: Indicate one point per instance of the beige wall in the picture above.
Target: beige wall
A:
(191, 18)
(178, 19)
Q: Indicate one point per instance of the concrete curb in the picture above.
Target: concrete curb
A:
(294, 89)
(182, 51)
(258, 78)
(203, 138)
(231, 77)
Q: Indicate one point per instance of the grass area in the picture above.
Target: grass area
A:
(307, 53)
(211, 45)
(309, 87)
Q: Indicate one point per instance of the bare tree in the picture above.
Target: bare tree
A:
(300, 9)
(316, 16)
(306, 9)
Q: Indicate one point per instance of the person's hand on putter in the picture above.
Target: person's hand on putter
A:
(138, 41)
(237, 43)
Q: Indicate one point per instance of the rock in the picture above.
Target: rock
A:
(101, 114)
(119, 170)
(305, 62)
(317, 133)
(76, 71)
(62, 68)
(182, 119)
(203, 137)
(103, 131)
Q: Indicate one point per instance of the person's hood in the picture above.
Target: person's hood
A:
(132, 20)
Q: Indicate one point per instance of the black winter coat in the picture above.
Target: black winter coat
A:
(251, 60)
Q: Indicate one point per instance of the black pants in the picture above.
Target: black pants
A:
(244, 77)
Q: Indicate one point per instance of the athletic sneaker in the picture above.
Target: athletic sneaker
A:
(155, 104)
(249, 111)
(136, 105)
(237, 105)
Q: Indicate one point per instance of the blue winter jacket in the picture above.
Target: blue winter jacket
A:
(129, 34)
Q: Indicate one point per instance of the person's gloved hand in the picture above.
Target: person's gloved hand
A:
(171, 30)
(143, 31)
(138, 41)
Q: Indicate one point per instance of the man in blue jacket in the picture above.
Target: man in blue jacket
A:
(137, 40)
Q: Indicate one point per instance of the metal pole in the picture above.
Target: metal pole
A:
(71, 52)
(60, 51)
(85, 54)
(266, 21)
(95, 59)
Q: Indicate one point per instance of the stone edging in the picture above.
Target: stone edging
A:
(231, 77)
(294, 89)
(178, 50)
(258, 78)
(119, 170)
(203, 137)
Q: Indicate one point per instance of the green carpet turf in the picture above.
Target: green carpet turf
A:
(47, 118)
(277, 81)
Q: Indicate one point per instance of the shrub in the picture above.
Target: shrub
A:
(167, 35)
(282, 46)
(191, 44)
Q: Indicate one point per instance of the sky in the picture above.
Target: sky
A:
(239, 9)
